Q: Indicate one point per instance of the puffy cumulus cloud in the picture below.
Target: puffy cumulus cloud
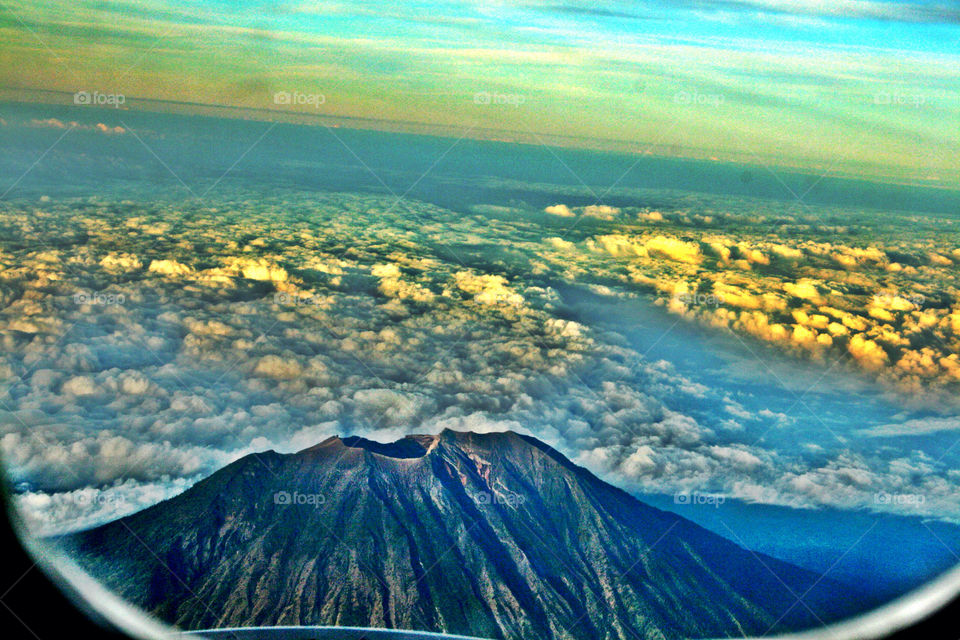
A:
(804, 289)
(79, 386)
(739, 458)
(868, 352)
(880, 314)
(393, 285)
(601, 211)
(617, 245)
(564, 328)
(844, 478)
(650, 216)
(850, 479)
(560, 243)
(255, 269)
(56, 513)
(658, 246)
(736, 296)
(758, 324)
(809, 292)
(895, 302)
(673, 249)
(390, 271)
(169, 268)
(752, 254)
(939, 260)
(391, 408)
(487, 289)
(720, 250)
(97, 460)
(560, 210)
(119, 262)
(923, 363)
(326, 264)
(786, 252)
(211, 327)
(135, 384)
(278, 368)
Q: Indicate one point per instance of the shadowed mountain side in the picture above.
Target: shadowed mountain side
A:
(491, 535)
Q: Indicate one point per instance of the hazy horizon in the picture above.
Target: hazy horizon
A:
(861, 89)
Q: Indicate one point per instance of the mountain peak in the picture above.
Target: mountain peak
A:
(332, 441)
(419, 444)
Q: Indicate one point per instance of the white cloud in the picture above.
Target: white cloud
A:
(375, 335)
(914, 427)
(561, 210)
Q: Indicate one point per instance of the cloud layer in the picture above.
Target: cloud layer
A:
(148, 345)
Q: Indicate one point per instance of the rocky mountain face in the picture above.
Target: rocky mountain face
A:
(490, 535)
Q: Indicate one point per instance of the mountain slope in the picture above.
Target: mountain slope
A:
(492, 535)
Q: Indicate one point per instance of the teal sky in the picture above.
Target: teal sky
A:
(857, 87)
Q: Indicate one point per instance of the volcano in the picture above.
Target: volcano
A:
(492, 535)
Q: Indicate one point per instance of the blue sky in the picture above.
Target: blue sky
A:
(857, 87)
